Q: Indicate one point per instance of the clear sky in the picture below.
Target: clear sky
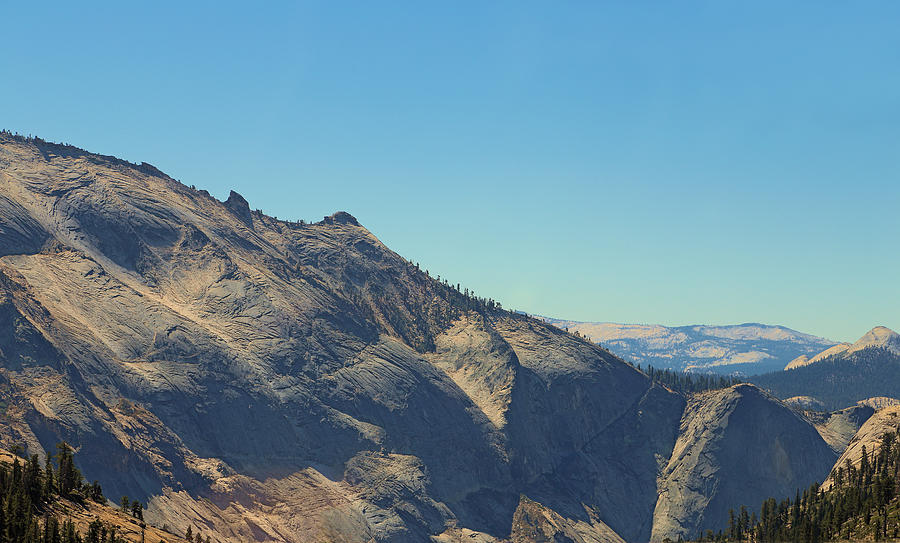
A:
(655, 162)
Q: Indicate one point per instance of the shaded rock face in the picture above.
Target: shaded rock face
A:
(19, 233)
(839, 427)
(267, 380)
(341, 217)
(763, 446)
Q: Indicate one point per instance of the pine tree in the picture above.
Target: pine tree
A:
(49, 487)
(69, 534)
(68, 475)
(97, 493)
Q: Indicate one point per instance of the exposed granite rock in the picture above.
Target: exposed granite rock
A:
(737, 446)
(804, 403)
(341, 217)
(238, 205)
(534, 523)
(879, 402)
(878, 337)
(869, 437)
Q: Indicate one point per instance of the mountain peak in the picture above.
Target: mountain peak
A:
(880, 336)
(881, 332)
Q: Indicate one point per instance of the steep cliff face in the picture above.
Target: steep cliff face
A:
(269, 380)
(737, 446)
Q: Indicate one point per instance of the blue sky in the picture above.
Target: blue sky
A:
(670, 162)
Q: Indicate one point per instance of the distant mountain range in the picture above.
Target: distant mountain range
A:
(747, 349)
(842, 374)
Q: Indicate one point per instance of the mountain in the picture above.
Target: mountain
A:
(291, 381)
(841, 377)
(878, 337)
(744, 348)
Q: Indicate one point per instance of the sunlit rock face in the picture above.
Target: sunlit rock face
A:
(737, 447)
(272, 380)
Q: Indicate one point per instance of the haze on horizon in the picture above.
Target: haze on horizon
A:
(593, 163)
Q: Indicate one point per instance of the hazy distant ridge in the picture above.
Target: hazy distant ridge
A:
(748, 348)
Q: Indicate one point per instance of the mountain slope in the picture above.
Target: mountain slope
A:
(841, 377)
(744, 348)
(274, 380)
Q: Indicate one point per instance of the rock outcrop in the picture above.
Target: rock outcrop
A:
(534, 523)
